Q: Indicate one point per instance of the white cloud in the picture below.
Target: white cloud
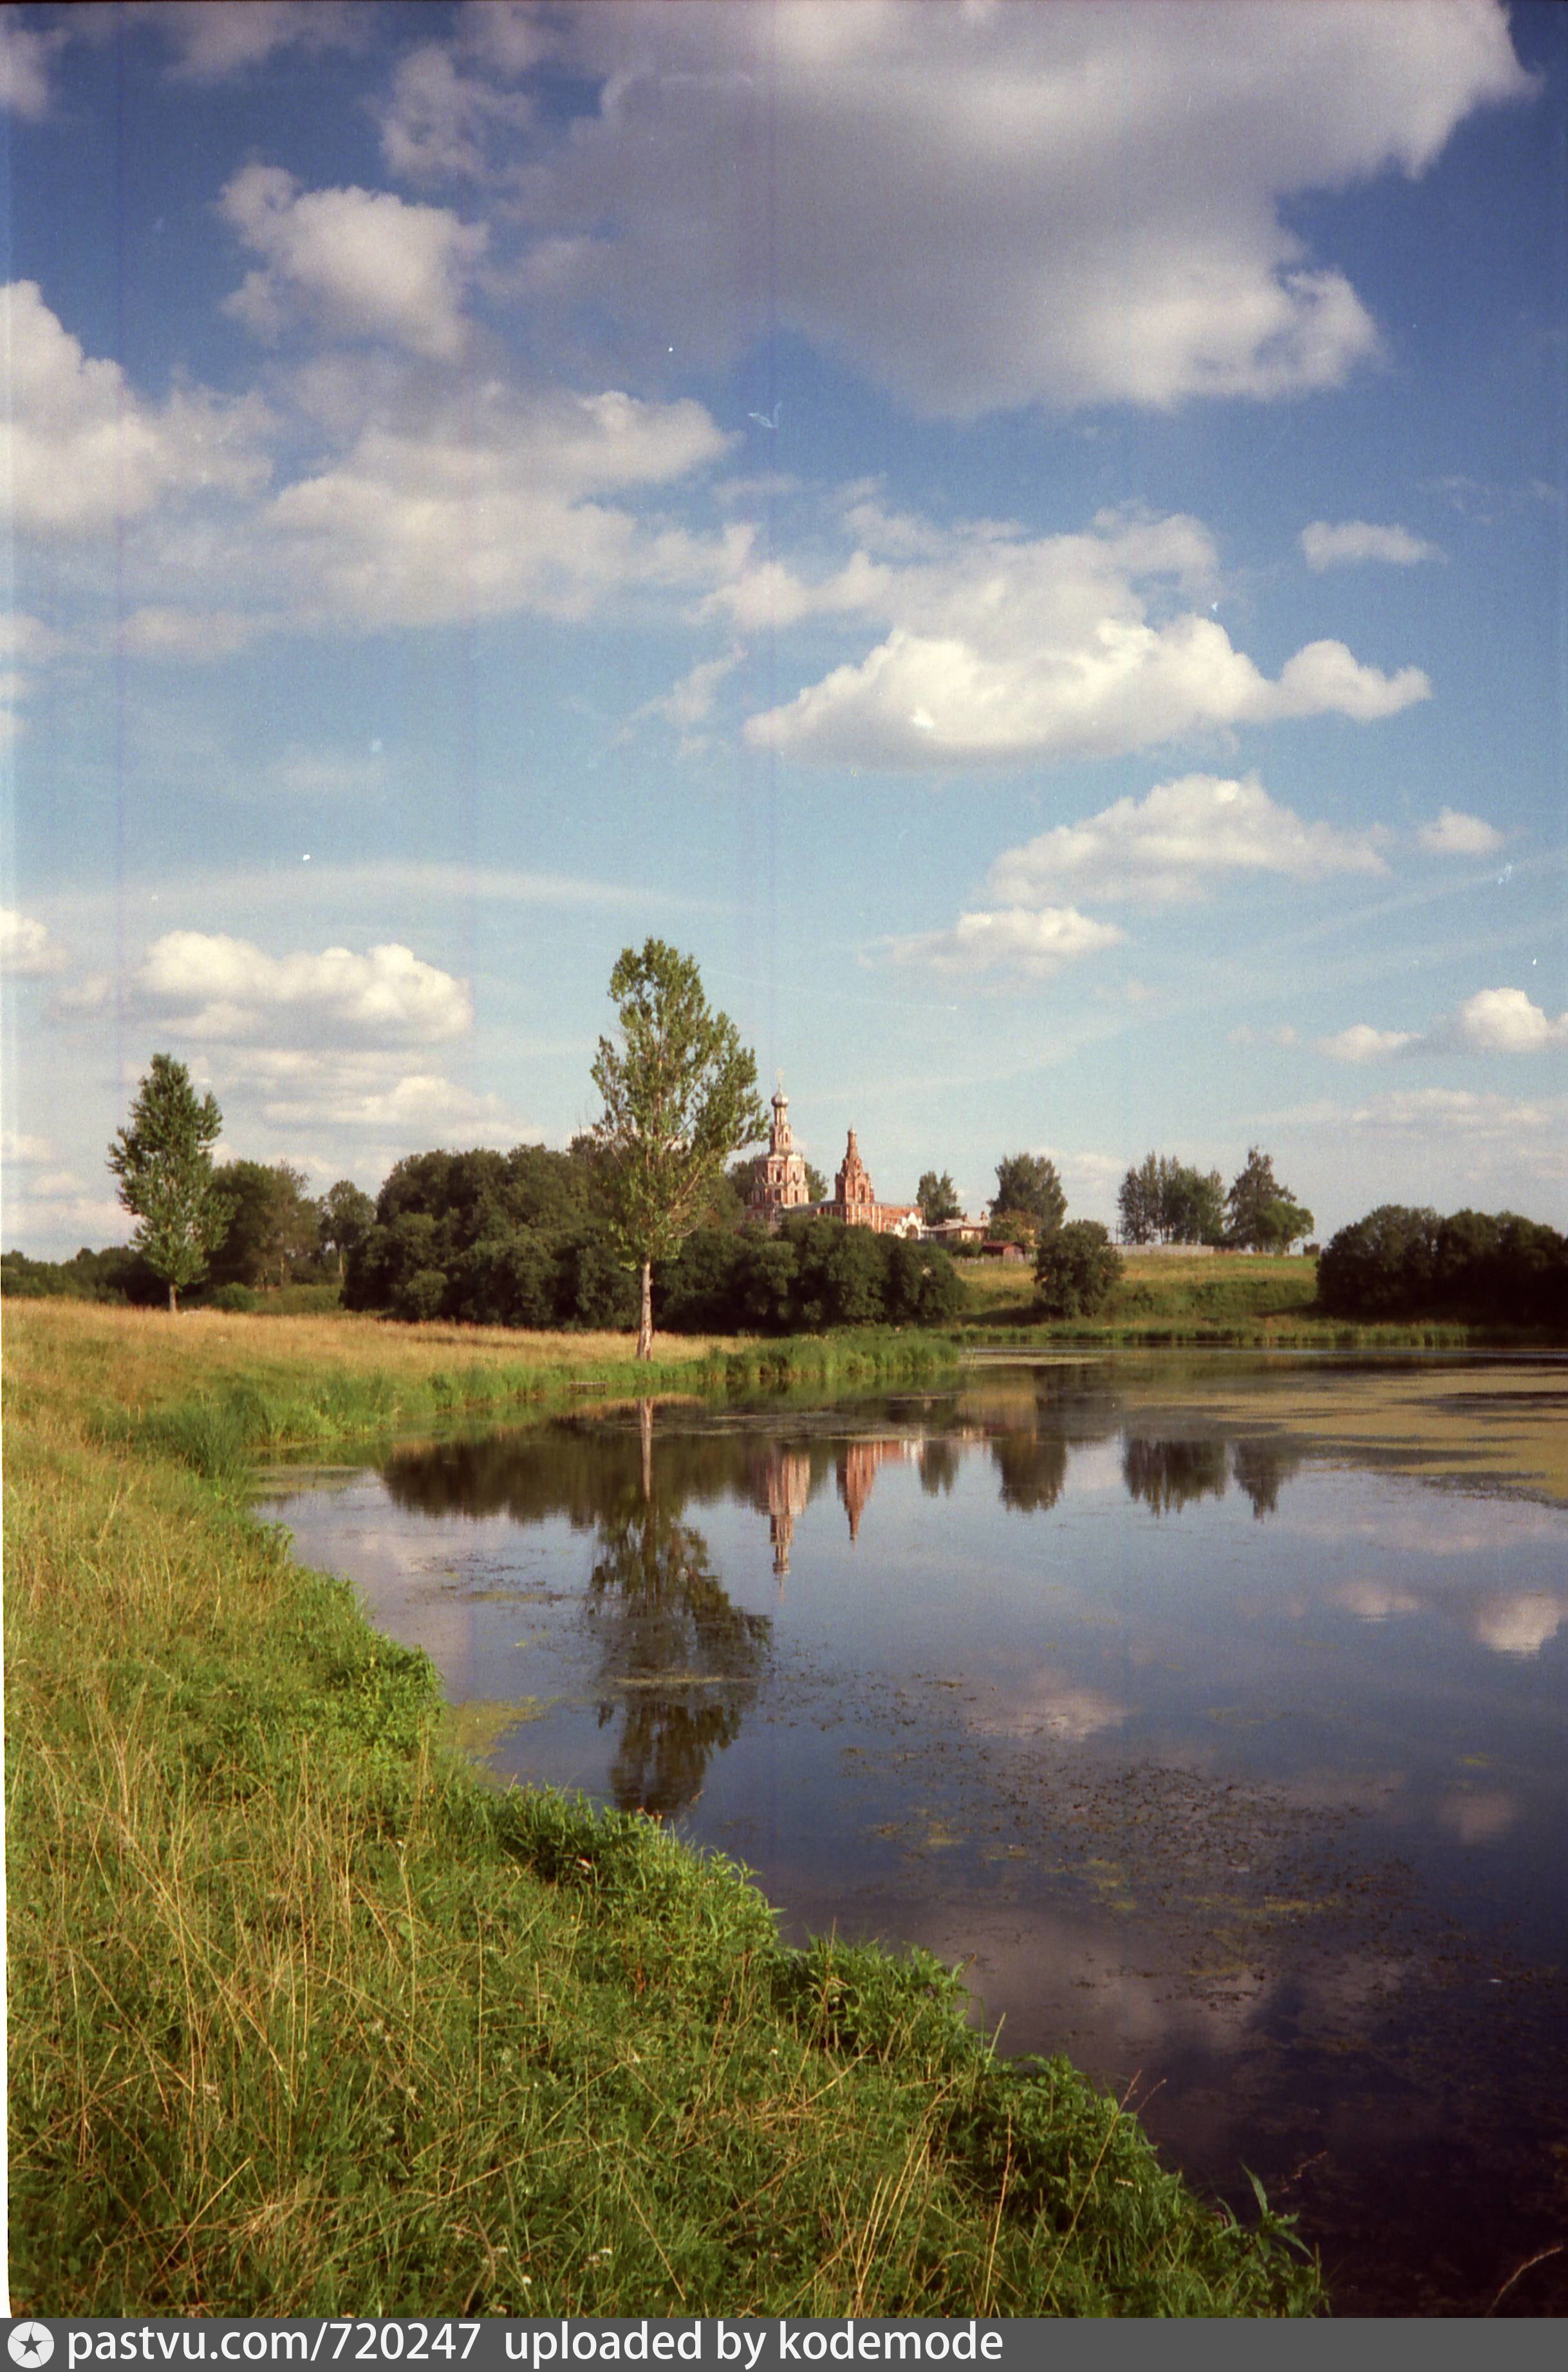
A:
(1169, 846)
(155, 631)
(1362, 1043)
(988, 207)
(1494, 1021)
(368, 1093)
(1035, 945)
(492, 506)
(1504, 1021)
(435, 124)
(1355, 540)
(79, 451)
(211, 42)
(27, 950)
(361, 262)
(23, 1150)
(223, 989)
(24, 69)
(690, 702)
(1004, 648)
(1455, 833)
(1432, 1113)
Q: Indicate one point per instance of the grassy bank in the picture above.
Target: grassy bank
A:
(304, 2018)
(1241, 1299)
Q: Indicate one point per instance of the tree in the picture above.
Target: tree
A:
(1075, 1268)
(347, 1216)
(680, 1098)
(938, 1199)
(1027, 1183)
(1163, 1201)
(272, 1223)
(1263, 1216)
(163, 1159)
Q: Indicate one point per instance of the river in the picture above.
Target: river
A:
(1213, 1712)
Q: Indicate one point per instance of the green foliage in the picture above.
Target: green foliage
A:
(679, 1095)
(119, 1273)
(1163, 1201)
(237, 1300)
(1399, 1262)
(347, 1214)
(274, 1225)
(938, 1198)
(809, 1275)
(1076, 1269)
(1027, 1183)
(163, 1160)
(1262, 1214)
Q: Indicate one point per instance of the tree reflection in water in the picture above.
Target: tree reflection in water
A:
(1167, 1474)
(679, 1661)
(1260, 1469)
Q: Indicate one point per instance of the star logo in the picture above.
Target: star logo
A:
(29, 2343)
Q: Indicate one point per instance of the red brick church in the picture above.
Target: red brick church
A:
(780, 1185)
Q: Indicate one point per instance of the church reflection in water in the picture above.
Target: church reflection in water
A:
(678, 1663)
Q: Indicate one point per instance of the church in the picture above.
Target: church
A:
(780, 1188)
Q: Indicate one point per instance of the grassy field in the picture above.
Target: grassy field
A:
(304, 2018)
(1227, 1298)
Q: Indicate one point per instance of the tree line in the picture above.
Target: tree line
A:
(1163, 1201)
(1495, 1268)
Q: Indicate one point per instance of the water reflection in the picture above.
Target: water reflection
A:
(1170, 1474)
(679, 1661)
(1273, 1820)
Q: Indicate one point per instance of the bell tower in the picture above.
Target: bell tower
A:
(781, 1174)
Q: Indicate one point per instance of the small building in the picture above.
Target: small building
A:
(1008, 1251)
(954, 1231)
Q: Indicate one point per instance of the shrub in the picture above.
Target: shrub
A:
(1076, 1269)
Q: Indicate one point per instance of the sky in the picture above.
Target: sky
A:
(1028, 537)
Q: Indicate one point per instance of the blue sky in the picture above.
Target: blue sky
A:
(1029, 538)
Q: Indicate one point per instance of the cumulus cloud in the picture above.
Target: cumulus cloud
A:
(493, 505)
(210, 44)
(1355, 540)
(1454, 833)
(25, 56)
(1033, 944)
(79, 451)
(1171, 845)
(1004, 648)
(1362, 1043)
(437, 122)
(27, 950)
(361, 262)
(1504, 1021)
(375, 1095)
(24, 1150)
(1493, 1021)
(207, 986)
(993, 206)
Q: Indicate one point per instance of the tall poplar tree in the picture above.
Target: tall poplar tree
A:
(680, 1098)
(163, 1159)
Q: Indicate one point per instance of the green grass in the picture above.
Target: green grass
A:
(1230, 1298)
(306, 2017)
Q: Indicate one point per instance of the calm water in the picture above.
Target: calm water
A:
(1232, 1769)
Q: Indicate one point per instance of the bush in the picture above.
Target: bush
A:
(237, 1300)
(1076, 1269)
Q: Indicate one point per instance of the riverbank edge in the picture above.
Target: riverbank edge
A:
(290, 1981)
